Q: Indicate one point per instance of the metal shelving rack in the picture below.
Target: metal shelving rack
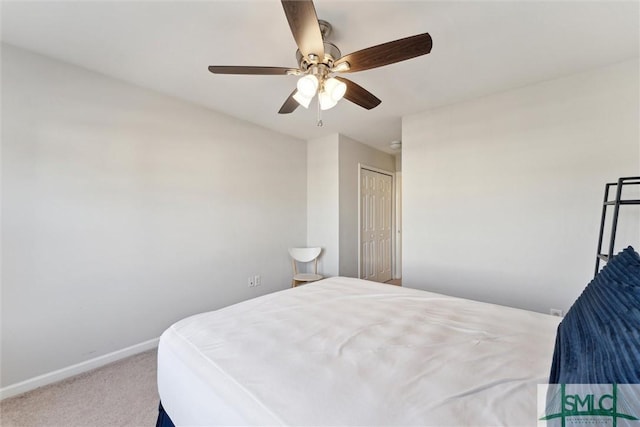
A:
(616, 203)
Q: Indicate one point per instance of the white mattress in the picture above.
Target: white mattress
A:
(350, 352)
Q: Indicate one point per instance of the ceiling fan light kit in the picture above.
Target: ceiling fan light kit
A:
(318, 59)
(329, 92)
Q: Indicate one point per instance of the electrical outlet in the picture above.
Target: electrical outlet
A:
(251, 281)
(555, 312)
(257, 280)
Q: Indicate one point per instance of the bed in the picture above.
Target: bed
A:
(345, 351)
(348, 352)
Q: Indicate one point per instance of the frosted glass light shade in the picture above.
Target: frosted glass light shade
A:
(335, 88)
(326, 101)
(308, 85)
(301, 99)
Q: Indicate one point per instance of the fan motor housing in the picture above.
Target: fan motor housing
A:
(331, 53)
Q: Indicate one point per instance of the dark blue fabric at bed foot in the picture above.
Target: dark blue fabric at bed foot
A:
(163, 418)
(598, 342)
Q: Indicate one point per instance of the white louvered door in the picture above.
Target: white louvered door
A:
(375, 225)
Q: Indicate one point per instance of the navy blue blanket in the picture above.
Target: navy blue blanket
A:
(163, 418)
(598, 342)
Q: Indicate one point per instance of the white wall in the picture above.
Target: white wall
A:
(322, 201)
(502, 195)
(124, 210)
(332, 192)
(351, 154)
(397, 272)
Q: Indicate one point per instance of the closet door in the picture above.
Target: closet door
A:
(375, 225)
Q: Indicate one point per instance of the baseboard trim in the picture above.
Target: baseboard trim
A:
(79, 368)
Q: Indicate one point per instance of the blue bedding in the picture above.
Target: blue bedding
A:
(598, 342)
(163, 418)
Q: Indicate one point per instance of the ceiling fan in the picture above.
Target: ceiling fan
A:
(319, 59)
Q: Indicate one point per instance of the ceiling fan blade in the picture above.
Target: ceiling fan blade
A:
(289, 105)
(231, 69)
(359, 95)
(387, 53)
(303, 22)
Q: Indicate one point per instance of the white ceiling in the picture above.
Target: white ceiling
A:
(479, 47)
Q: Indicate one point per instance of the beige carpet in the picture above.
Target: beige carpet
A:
(123, 393)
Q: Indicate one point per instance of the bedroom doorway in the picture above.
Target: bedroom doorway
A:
(376, 224)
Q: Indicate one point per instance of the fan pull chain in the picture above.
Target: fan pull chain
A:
(319, 113)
